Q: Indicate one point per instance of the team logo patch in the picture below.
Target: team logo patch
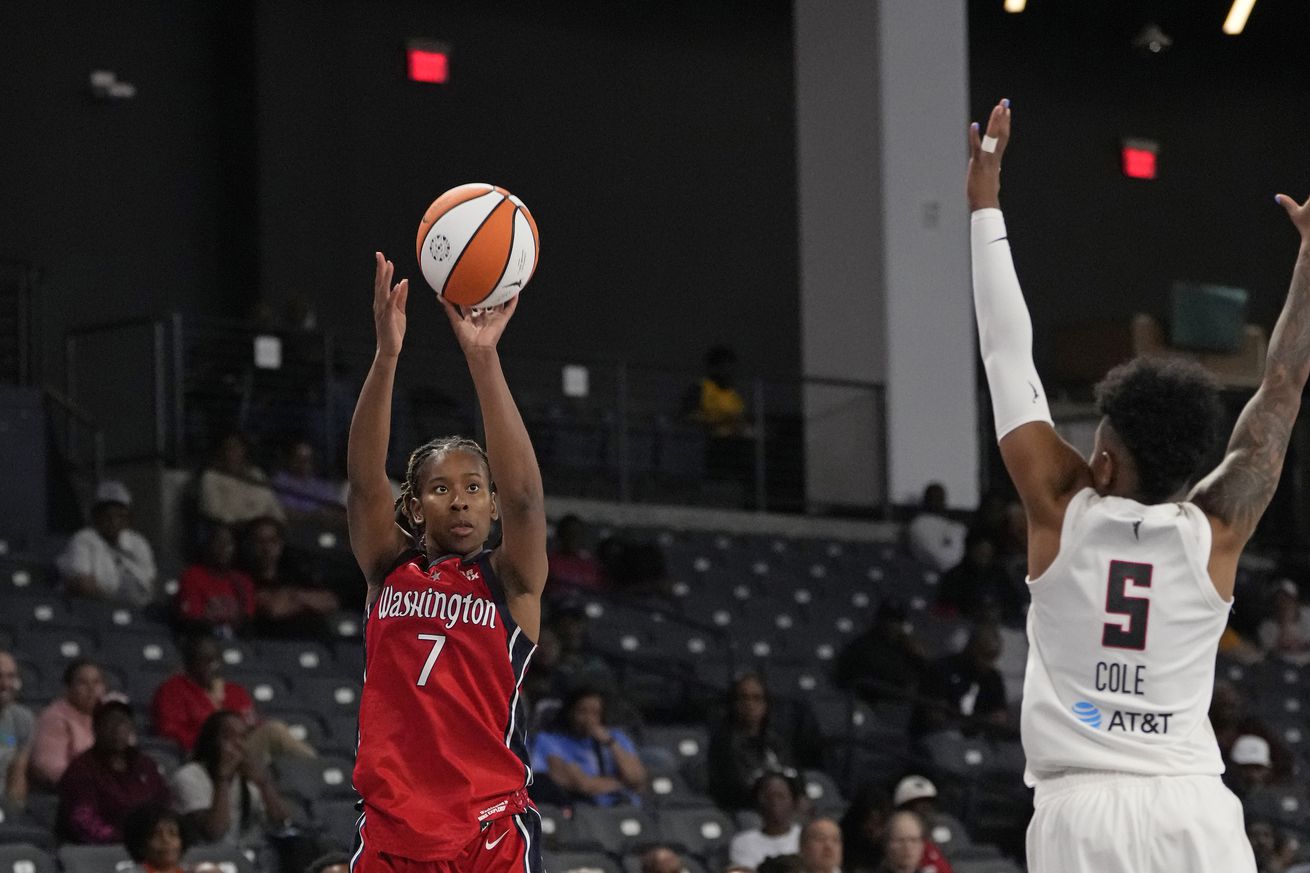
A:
(1088, 714)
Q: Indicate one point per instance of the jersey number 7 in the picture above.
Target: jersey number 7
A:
(1129, 634)
(438, 641)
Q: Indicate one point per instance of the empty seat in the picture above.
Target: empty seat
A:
(316, 778)
(572, 862)
(689, 743)
(228, 859)
(267, 688)
(26, 858)
(94, 859)
(294, 657)
(328, 695)
(704, 831)
(303, 724)
(616, 830)
(338, 822)
(554, 824)
(56, 646)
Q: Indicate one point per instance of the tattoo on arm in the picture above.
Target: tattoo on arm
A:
(1240, 489)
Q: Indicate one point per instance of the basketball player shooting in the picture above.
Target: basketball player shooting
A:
(442, 763)
(1131, 573)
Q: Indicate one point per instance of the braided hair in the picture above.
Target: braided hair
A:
(410, 487)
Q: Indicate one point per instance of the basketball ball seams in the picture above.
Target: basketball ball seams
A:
(509, 255)
(463, 251)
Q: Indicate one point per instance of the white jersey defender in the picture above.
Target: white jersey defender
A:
(1122, 634)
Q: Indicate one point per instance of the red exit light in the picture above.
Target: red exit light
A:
(427, 63)
(1139, 159)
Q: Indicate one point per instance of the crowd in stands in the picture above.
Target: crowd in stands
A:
(196, 763)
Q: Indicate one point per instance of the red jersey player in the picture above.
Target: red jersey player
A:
(450, 626)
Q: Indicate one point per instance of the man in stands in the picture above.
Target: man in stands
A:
(108, 560)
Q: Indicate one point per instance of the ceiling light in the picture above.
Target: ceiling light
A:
(1237, 16)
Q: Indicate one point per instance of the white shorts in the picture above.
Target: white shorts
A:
(1128, 823)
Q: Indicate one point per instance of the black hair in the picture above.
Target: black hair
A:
(417, 458)
(188, 645)
(749, 675)
(857, 848)
(77, 664)
(1166, 412)
(209, 749)
(781, 864)
(575, 694)
(788, 776)
(139, 826)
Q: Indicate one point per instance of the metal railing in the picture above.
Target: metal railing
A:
(609, 430)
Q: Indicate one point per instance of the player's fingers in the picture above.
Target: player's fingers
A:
(452, 311)
(402, 294)
(379, 286)
(975, 140)
(998, 129)
(510, 306)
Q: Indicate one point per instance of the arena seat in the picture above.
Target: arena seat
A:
(26, 858)
(337, 822)
(572, 862)
(94, 859)
(316, 779)
(704, 831)
(228, 859)
(615, 830)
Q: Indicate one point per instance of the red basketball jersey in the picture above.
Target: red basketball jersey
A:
(442, 726)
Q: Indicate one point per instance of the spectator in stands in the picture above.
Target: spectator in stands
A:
(541, 687)
(885, 662)
(634, 567)
(744, 745)
(64, 729)
(109, 780)
(918, 795)
(586, 759)
(862, 829)
(225, 794)
(714, 403)
(108, 560)
(233, 490)
(152, 835)
(188, 698)
(661, 859)
(16, 727)
(572, 565)
(214, 595)
(1229, 719)
(305, 495)
(332, 862)
(1286, 633)
(931, 536)
(778, 801)
(965, 690)
(288, 602)
(1275, 849)
(903, 846)
(1252, 767)
(978, 586)
(578, 665)
(821, 847)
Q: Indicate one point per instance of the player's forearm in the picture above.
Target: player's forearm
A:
(1005, 330)
(1287, 365)
(513, 462)
(370, 427)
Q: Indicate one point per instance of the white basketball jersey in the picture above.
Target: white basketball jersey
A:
(1122, 635)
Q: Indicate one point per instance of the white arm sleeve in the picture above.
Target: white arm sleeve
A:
(1005, 331)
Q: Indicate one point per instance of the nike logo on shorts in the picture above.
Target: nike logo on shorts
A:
(491, 844)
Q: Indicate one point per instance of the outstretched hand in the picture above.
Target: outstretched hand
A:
(481, 328)
(388, 306)
(983, 182)
(1299, 213)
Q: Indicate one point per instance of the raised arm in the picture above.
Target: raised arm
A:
(521, 559)
(375, 538)
(1046, 470)
(1237, 493)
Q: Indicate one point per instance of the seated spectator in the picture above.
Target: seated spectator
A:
(821, 847)
(288, 602)
(152, 835)
(572, 565)
(744, 746)
(332, 862)
(186, 699)
(778, 801)
(885, 662)
(931, 536)
(1275, 849)
(304, 494)
(966, 688)
(661, 859)
(109, 560)
(586, 760)
(918, 795)
(63, 729)
(978, 586)
(903, 845)
(862, 829)
(16, 726)
(233, 490)
(1252, 768)
(1286, 633)
(214, 595)
(1229, 719)
(109, 780)
(225, 795)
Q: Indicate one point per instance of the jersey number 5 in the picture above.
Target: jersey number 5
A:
(437, 642)
(1129, 634)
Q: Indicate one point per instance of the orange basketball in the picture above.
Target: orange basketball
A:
(477, 245)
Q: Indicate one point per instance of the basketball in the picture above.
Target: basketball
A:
(477, 245)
